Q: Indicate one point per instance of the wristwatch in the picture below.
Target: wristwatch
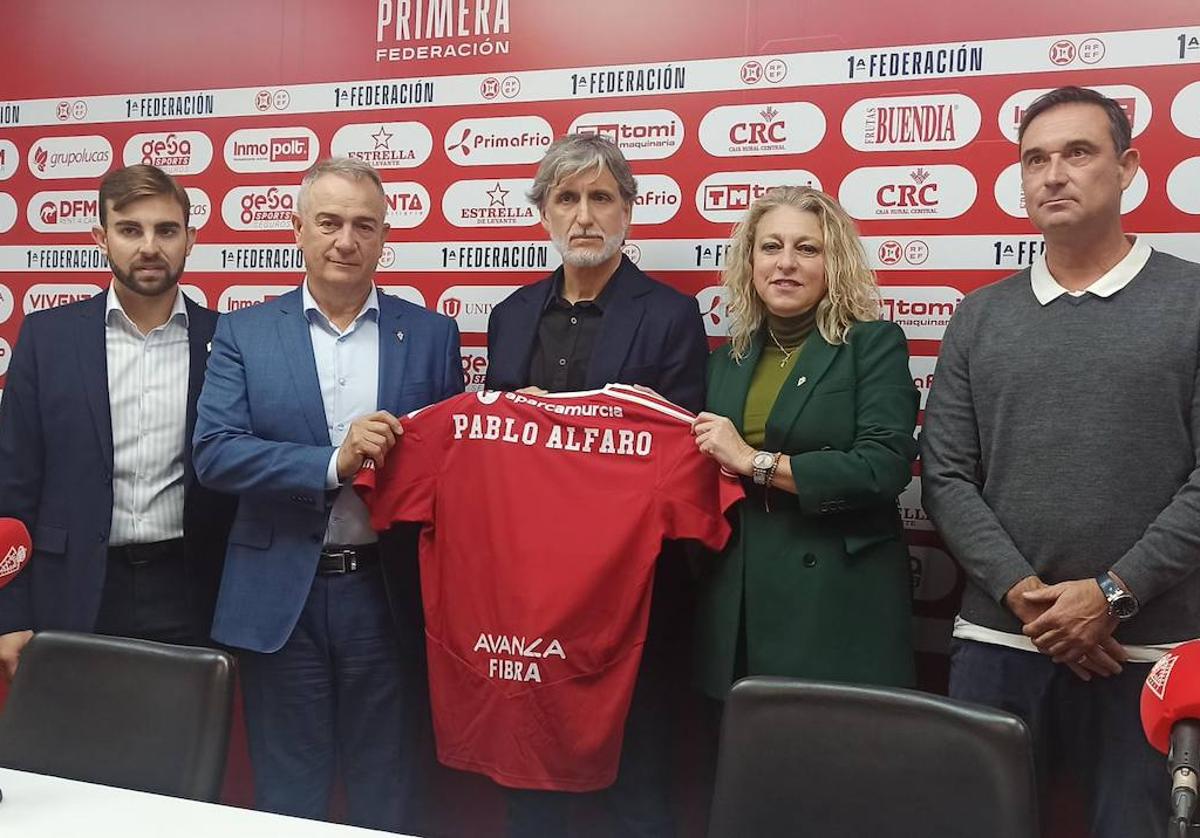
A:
(762, 463)
(1121, 604)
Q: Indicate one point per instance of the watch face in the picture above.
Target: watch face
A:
(762, 460)
(1123, 607)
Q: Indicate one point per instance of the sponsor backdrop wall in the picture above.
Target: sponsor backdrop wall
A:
(909, 118)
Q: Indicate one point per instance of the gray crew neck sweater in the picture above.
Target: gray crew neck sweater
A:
(1062, 441)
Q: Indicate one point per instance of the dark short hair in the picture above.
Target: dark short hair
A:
(1118, 122)
(124, 186)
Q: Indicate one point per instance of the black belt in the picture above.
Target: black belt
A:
(346, 558)
(139, 554)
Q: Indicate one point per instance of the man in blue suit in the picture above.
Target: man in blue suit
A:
(300, 392)
(599, 320)
(95, 441)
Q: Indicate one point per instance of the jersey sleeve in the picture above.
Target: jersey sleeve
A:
(405, 488)
(694, 496)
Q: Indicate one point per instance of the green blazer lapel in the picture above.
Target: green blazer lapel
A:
(814, 361)
(730, 385)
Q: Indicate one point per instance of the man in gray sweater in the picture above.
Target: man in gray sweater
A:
(1060, 464)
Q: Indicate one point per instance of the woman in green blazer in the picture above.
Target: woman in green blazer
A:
(812, 403)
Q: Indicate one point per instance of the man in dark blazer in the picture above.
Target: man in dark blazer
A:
(300, 392)
(599, 320)
(95, 441)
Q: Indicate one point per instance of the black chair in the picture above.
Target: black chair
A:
(805, 758)
(120, 712)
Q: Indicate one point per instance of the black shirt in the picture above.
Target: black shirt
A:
(567, 334)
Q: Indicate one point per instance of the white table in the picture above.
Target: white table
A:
(37, 806)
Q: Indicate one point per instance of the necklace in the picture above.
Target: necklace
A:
(787, 353)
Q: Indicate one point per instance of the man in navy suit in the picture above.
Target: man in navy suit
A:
(599, 320)
(95, 441)
(300, 392)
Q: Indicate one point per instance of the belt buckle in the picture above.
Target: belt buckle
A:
(348, 558)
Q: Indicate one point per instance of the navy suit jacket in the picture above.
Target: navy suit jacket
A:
(651, 334)
(56, 464)
(261, 433)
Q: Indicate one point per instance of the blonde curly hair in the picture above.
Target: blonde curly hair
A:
(853, 292)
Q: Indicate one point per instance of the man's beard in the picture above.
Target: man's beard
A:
(579, 257)
(165, 282)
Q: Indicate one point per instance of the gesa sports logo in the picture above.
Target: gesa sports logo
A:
(271, 149)
(752, 130)
(175, 152)
(641, 135)
(259, 207)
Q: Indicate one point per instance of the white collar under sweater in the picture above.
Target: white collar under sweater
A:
(1047, 289)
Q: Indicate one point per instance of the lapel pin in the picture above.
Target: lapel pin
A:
(400, 336)
(800, 381)
(208, 346)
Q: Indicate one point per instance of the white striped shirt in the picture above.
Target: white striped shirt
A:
(147, 398)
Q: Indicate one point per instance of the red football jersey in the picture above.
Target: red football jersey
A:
(543, 519)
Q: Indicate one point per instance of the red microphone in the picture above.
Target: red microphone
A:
(15, 549)
(1171, 720)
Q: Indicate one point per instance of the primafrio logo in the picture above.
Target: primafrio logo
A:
(911, 123)
(501, 139)
(271, 149)
(8, 212)
(52, 158)
(1181, 187)
(942, 191)
(1185, 112)
(385, 145)
(175, 152)
(9, 159)
(1132, 100)
(641, 135)
(489, 203)
(471, 305)
(753, 130)
(657, 201)
(1010, 197)
(407, 204)
(922, 311)
(43, 295)
(714, 310)
(725, 196)
(474, 367)
(244, 296)
(259, 207)
(934, 573)
(921, 367)
(63, 212)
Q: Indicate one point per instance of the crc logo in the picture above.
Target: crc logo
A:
(9, 159)
(1133, 100)
(471, 305)
(1010, 196)
(63, 212)
(641, 135)
(922, 311)
(407, 204)
(8, 213)
(632, 251)
(489, 203)
(934, 574)
(6, 303)
(200, 207)
(259, 207)
(474, 367)
(386, 145)
(237, 297)
(405, 292)
(714, 310)
(725, 196)
(892, 253)
(911, 123)
(753, 130)
(502, 139)
(175, 152)
(912, 513)
(69, 157)
(42, 296)
(943, 191)
(657, 201)
(271, 149)
(1181, 187)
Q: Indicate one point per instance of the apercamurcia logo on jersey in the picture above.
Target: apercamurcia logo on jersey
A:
(911, 123)
(418, 30)
(641, 135)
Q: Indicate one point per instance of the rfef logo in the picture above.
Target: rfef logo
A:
(941, 191)
(63, 212)
(52, 158)
(502, 139)
(657, 201)
(489, 203)
(911, 123)
(755, 130)
(641, 135)
(42, 296)
(385, 145)
(407, 204)
(175, 152)
(271, 149)
(1132, 100)
(259, 207)
(471, 305)
(922, 311)
(725, 196)
(244, 296)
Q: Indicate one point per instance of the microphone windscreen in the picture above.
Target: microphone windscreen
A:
(1171, 693)
(15, 549)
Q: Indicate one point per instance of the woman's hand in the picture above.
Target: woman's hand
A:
(718, 438)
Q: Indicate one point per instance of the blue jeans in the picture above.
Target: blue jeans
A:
(1091, 730)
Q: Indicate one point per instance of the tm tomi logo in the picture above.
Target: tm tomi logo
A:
(641, 135)
(923, 311)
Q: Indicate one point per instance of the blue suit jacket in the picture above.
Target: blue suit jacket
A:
(651, 334)
(261, 433)
(56, 464)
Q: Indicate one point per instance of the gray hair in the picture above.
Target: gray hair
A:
(344, 167)
(572, 154)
